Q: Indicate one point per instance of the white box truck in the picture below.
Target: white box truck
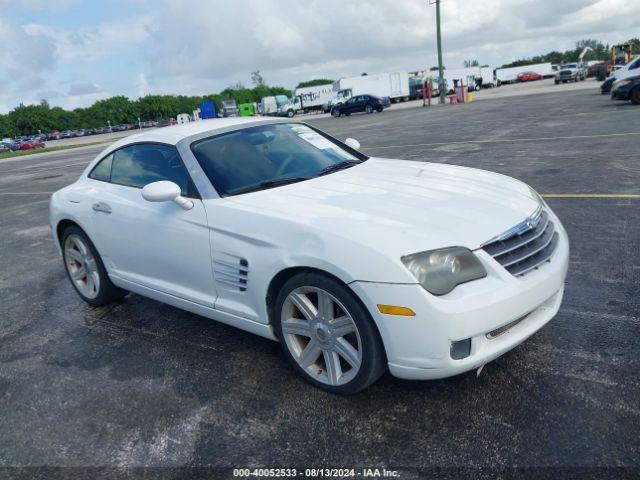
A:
(307, 99)
(394, 85)
(510, 75)
(270, 105)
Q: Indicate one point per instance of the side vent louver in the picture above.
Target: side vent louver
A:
(231, 271)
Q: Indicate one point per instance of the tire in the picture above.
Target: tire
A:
(290, 113)
(634, 96)
(86, 258)
(317, 351)
(379, 109)
(335, 113)
(368, 109)
(557, 82)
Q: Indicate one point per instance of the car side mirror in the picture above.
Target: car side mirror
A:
(165, 191)
(353, 143)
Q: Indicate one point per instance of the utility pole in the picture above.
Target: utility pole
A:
(441, 84)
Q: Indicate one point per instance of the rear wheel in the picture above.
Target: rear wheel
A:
(327, 335)
(335, 113)
(634, 96)
(85, 269)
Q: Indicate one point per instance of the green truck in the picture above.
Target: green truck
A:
(246, 109)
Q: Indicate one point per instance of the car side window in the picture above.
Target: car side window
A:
(635, 64)
(139, 165)
(102, 171)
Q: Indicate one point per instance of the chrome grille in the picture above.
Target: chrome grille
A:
(525, 246)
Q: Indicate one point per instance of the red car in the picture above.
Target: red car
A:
(29, 144)
(529, 76)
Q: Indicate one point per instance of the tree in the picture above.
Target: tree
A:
(471, 63)
(256, 79)
(315, 82)
(6, 127)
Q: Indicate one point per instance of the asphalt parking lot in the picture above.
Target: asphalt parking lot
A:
(141, 383)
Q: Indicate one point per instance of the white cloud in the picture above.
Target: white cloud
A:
(93, 42)
(289, 40)
(142, 85)
(195, 47)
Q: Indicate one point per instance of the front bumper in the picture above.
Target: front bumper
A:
(620, 94)
(419, 347)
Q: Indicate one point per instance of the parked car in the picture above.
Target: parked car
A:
(354, 264)
(55, 135)
(529, 76)
(15, 144)
(4, 147)
(570, 72)
(360, 103)
(31, 144)
(627, 89)
(66, 134)
(630, 69)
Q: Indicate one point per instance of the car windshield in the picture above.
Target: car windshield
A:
(267, 156)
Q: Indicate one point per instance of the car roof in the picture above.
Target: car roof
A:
(173, 134)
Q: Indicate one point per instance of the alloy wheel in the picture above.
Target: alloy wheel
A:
(82, 266)
(321, 335)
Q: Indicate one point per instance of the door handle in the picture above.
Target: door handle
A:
(101, 207)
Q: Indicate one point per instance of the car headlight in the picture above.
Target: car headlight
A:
(440, 271)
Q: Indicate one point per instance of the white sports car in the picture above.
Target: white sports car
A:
(355, 264)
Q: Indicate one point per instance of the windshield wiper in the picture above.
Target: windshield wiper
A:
(265, 185)
(336, 166)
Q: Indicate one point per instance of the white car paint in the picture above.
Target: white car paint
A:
(354, 224)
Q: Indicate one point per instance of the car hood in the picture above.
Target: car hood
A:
(400, 207)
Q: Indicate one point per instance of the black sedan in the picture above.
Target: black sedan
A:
(360, 103)
(627, 89)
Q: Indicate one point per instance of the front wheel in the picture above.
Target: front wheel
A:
(85, 269)
(327, 335)
(290, 113)
(635, 96)
(335, 113)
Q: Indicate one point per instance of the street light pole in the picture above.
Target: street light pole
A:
(441, 84)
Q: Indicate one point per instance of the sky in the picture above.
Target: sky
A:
(74, 52)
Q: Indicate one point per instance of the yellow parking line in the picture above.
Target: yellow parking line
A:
(590, 195)
(506, 140)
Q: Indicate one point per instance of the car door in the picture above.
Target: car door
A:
(156, 245)
(348, 105)
(357, 105)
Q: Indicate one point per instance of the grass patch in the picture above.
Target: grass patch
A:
(21, 153)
